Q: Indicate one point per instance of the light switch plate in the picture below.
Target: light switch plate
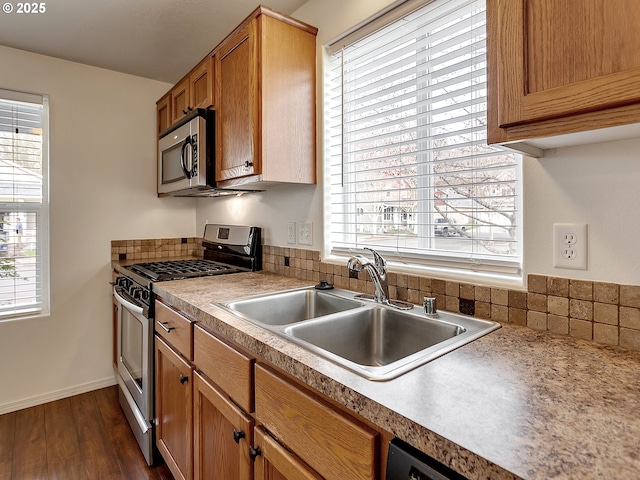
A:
(305, 233)
(291, 232)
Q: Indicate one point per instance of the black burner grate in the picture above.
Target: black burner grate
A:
(177, 269)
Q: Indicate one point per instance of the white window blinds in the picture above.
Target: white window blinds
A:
(409, 171)
(23, 204)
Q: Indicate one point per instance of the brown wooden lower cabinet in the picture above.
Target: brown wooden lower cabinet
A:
(223, 434)
(274, 462)
(174, 410)
(207, 429)
(331, 442)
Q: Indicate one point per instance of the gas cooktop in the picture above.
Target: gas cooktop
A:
(179, 269)
(226, 249)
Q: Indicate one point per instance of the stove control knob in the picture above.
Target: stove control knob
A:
(136, 292)
(123, 282)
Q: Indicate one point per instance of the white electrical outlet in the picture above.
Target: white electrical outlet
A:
(570, 245)
(291, 232)
(305, 233)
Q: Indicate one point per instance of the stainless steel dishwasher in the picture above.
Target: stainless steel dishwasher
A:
(407, 463)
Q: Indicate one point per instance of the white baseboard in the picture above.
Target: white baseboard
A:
(57, 395)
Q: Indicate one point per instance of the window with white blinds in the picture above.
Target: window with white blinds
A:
(408, 170)
(23, 204)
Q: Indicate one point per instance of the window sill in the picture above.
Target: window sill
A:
(19, 317)
(487, 279)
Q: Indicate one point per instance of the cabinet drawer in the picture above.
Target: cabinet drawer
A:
(175, 329)
(330, 442)
(227, 367)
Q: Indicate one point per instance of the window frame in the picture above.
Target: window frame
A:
(439, 263)
(42, 306)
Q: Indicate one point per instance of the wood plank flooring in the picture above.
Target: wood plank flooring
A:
(85, 437)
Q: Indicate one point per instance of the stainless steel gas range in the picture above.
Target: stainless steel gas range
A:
(227, 249)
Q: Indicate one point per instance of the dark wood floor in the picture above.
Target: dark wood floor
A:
(78, 438)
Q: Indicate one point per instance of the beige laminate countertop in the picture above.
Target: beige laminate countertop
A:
(516, 403)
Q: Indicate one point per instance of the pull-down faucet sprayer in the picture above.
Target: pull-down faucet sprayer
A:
(377, 270)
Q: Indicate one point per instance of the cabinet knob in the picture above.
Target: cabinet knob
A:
(248, 164)
(254, 452)
(237, 435)
(184, 112)
(184, 379)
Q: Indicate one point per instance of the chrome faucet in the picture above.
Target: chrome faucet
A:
(377, 270)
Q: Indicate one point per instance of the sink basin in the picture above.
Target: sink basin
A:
(292, 306)
(375, 341)
(380, 343)
(376, 336)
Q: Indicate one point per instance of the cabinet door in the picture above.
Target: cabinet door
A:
(174, 411)
(332, 443)
(180, 100)
(164, 113)
(201, 84)
(552, 60)
(114, 332)
(236, 66)
(222, 435)
(274, 462)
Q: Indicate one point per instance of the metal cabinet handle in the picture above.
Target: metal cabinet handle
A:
(254, 452)
(237, 435)
(248, 164)
(184, 379)
(163, 325)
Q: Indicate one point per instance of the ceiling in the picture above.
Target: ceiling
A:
(158, 39)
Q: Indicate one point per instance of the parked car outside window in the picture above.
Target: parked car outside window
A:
(448, 227)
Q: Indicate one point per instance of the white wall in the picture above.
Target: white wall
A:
(102, 184)
(595, 184)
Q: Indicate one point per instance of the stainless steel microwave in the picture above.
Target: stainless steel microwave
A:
(186, 156)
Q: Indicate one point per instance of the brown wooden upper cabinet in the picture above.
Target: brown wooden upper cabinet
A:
(265, 76)
(164, 113)
(559, 67)
(195, 90)
(237, 90)
(201, 84)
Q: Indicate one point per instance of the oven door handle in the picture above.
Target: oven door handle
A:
(128, 305)
(144, 425)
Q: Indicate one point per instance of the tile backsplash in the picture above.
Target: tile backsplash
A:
(606, 313)
(122, 250)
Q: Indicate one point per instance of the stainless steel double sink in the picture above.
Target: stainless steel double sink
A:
(373, 340)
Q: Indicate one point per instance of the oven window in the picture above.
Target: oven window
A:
(171, 169)
(131, 345)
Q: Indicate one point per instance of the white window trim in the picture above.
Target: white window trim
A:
(43, 259)
(512, 273)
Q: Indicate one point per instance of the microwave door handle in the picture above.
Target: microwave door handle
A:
(186, 143)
